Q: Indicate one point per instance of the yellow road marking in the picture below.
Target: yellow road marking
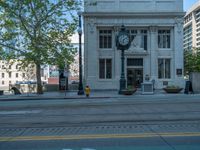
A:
(97, 136)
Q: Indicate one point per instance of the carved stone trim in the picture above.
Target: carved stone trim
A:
(153, 29)
(93, 3)
(91, 24)
(179, 24)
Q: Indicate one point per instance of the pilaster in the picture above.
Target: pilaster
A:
(178, 50)
(153, 51)
(91, 48)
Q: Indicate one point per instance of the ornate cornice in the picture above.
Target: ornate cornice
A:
(135, 14)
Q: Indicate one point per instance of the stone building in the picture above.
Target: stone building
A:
(12, 73)
(156, 31)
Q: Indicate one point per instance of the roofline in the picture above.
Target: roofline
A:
(194, 7)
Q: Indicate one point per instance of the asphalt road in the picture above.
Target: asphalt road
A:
(64, 112)
(104, 143)
(100, 124)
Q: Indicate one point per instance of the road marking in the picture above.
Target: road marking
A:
(19, 112)
(97, 136)
(88, 149)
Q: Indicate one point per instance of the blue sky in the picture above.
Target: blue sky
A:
(188, 3)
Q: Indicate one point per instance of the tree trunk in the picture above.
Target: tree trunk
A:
(39, 82)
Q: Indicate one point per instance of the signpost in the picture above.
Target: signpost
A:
(66, 77)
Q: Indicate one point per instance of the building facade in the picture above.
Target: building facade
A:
(12, 73)
(156, 49)
(192, 27)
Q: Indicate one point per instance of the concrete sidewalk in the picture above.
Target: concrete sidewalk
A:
(94, 95)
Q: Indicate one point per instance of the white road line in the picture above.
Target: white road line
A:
(82, 149)
(19, 112)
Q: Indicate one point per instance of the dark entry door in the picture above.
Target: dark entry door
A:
(134, 77)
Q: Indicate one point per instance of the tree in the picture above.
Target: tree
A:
(38, 32)
(192, 61)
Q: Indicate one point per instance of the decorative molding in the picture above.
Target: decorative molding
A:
(116, 28)
(93, 3)
(137, 53)
(179, 24)
(92, 24)
(135, 14)
(153, 29)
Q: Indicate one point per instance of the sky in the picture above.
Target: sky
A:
(188, 3)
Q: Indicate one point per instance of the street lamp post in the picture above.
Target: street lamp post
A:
(80, 86)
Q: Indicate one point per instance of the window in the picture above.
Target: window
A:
(132, 34)
(10, 74)
(163, 38)
(10, 66)
(134, 62)
(16, 75)
(105, 38)
(164, 69)
(2, 82)
(10, 82)
(23, 75)
(144, 39)
(140, 37)
(105, 68)
(42, 72)
(3, 75)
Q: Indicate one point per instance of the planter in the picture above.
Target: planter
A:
(172, 90)
(128, 92)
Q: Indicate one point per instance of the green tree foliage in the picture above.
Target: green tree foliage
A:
(38, 32)
(192, 61)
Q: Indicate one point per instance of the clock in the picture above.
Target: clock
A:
(123, 39)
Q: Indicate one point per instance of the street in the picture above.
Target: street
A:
(60, 112)
(191, 143)
(112, 136)
(142, 123)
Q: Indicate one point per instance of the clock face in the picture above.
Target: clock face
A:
(123, 39)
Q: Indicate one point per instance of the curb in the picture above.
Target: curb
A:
(49, 98)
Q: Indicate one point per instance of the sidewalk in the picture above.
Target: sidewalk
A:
(94, 95)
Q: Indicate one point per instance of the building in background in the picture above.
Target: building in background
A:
(73, 72)
(74, 67)
(192, 27)
(12, 73)
(156, 30)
